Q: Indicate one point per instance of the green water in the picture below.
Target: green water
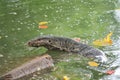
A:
(86, 19)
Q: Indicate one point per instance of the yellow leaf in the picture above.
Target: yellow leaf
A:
(43, 23)
(92, 63)
(99, 43)
(104, 42)
(108, 38)
(65, 78)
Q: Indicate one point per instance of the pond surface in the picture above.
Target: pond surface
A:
(86, 19)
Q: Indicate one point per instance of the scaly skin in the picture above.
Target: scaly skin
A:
(69, 45)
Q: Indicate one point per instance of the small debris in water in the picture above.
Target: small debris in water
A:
(13, 29)
(18, 29)
(14, 13)
(0, 37)
(1, 55)
(6, 36)
(46, 15)
(109, 72)
(66, 78)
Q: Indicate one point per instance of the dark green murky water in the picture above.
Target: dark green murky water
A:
(86, 19)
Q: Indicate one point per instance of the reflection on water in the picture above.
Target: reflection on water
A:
(87, 19)
(117, 15)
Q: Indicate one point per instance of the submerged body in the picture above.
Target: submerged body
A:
(41, 64)
(69, 45)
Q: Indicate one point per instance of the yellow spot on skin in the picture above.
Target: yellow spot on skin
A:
(66, 78)
(92, 63)
(104, 42)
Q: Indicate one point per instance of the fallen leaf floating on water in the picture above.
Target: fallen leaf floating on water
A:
(43, 23)
(43, 26)
(92, 63)
(66, 78)
(109, 72)
(108, 39)
(104, 42)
